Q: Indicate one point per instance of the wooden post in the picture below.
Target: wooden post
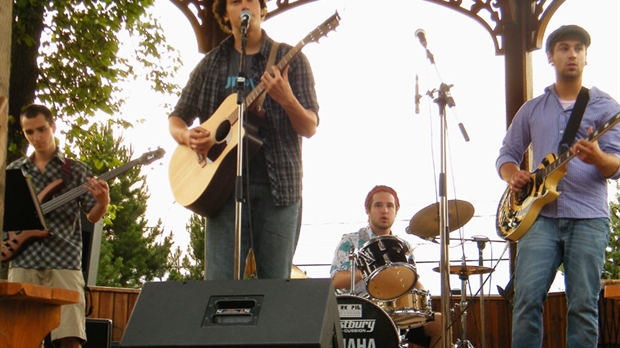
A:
(30, 312)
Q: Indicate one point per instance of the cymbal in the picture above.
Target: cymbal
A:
(425, 223)
(467, 270)
(297, 273)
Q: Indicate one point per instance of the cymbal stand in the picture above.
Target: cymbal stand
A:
(481, 240)
(463, 342)
(443, 99)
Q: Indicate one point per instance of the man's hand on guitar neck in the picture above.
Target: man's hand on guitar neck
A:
(277, 85)
(589, 152)
(101, 191)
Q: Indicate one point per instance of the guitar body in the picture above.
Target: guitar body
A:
(517, 211)
(18, 240)
(202, 185)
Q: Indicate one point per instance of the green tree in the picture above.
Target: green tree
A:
(67, 54)
(131, 253)
(611, 269)
(191, 265)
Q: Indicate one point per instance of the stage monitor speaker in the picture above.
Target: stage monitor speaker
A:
(235, 313)
(98, 333)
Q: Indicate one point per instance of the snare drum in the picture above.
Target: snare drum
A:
(410, 311)
(364, 324)
(386, 268)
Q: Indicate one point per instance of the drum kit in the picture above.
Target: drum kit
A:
(391, 305)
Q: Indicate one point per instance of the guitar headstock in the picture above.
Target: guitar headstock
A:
(330, 24)
(151, 156)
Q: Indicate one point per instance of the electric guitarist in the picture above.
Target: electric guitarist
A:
(56, 261)
(289, 113)
(571, 230)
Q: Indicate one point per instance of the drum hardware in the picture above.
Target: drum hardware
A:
(464, 271)
(481, 241)
(352, 261)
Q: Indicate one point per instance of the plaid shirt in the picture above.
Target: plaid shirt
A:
(63, 248)
(205, 91)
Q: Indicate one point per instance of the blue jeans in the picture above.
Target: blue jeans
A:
(274, 235)
(580, 245)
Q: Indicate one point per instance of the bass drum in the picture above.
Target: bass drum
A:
(364, 324)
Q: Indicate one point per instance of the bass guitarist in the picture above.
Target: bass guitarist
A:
(56, 261)
(572, 230)
(272, 209)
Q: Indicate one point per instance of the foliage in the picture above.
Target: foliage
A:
(67, 54)
(191, 267)
(611, 269)
(70, 55)
(131, 253)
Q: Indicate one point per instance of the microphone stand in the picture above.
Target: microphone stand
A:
(239, 193)
(444, 99)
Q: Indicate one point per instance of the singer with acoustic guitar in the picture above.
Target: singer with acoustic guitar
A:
(271, 211)
(56, 261)
(571, 227)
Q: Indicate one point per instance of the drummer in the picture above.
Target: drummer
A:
(381, 206)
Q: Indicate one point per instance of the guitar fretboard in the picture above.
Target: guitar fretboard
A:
(567, 155)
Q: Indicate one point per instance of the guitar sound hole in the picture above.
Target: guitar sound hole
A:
(222, 131)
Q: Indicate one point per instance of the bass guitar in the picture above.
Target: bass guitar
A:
(203, 184)
(518, 210)
(18, 240)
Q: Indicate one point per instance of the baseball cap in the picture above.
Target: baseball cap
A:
(568, 30)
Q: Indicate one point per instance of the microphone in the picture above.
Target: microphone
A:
(421, 34)
(417, 95)
(245, 16)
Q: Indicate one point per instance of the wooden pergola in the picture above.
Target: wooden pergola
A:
(516, 28)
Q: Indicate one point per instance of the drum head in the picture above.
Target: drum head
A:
(364, 324)
(389, 283)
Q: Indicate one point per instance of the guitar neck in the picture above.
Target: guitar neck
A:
(286, 60)
(80, 190)
(566, 156)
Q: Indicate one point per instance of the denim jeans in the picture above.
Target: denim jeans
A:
(580, 245)
(274, 235)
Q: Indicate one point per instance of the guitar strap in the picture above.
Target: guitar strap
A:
(270, 61)
(66, 169)
(575, 119)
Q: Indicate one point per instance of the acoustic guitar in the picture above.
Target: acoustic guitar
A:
(203, 184)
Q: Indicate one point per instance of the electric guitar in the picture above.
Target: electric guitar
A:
(518, 210)
(203, 184)
(18, 240)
